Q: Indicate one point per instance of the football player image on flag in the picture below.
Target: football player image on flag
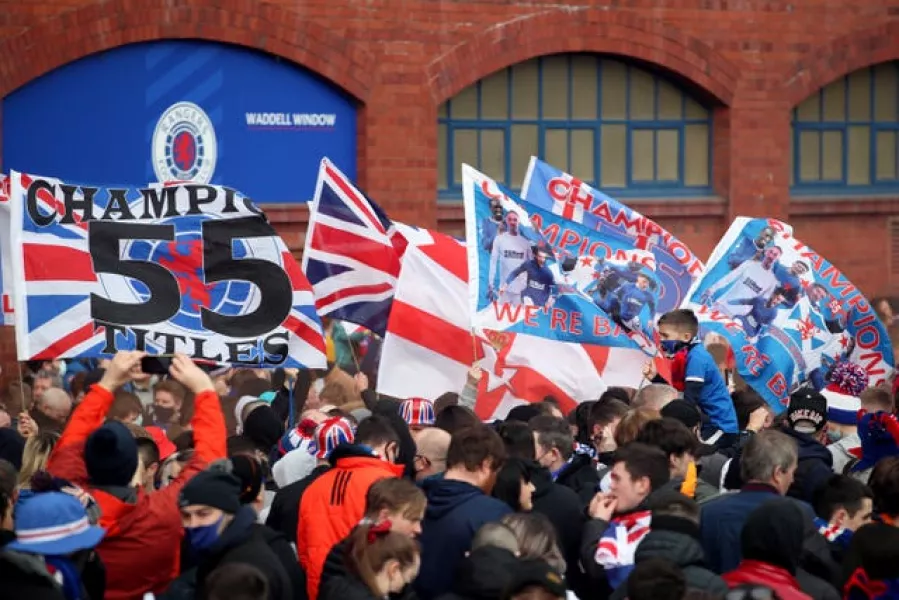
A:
(533, 280)
(188, 268)
(788, 314)
(564, 195)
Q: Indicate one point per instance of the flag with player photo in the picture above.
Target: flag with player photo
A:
(188, 268)
(430, 347)
(788, 314)
(565, 195)
(537, 273)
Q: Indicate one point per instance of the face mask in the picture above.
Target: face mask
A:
(203, 537)
(139, 421)
(672, 347)
(62, 369)
(834, 436)
(163, 414)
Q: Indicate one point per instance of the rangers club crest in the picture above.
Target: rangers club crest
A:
(184, 145)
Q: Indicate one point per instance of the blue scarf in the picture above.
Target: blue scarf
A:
(836, 535)
(587, 449)
(71, 578)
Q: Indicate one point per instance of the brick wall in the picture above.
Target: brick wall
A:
(754, 58)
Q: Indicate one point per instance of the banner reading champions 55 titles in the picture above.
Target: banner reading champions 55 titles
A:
(184, 268)
(788, 313)
(537, 273)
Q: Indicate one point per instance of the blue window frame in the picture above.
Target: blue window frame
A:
(846, 135)
(617, 126)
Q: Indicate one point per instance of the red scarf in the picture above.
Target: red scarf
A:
(678, 364)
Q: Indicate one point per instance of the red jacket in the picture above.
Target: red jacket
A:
(142, 543)
(333, 504)
(759, 573)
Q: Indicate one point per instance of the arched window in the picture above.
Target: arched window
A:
(619, 127)
(845, 136)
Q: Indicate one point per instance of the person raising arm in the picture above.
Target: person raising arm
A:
(141, 547)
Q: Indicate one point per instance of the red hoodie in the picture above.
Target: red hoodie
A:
(142, 542)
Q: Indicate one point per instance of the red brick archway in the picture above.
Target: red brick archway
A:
(110, 23)
(837, 58)
(582, 30)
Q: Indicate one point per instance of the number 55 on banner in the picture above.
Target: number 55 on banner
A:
(176, 268)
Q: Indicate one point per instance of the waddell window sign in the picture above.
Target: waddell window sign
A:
(180, 110)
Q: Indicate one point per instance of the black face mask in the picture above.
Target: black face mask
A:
(671, 347)
(163, 414)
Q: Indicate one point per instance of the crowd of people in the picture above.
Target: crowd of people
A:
(274, 485)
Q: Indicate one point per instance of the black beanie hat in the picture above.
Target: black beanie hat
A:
(251, 475)
(524, 413)
(110, 455)
(264, 428)
(215, 488)
(773, 534)
(683, 411)
(12, 446)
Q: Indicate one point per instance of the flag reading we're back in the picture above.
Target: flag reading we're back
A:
(788, 314)
(537, 273)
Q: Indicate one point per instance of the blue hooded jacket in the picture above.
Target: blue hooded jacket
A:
(456, 510)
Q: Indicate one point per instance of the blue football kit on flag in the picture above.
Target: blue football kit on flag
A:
(758, 317)
(539, 283)
(489, 229)
(745, 250)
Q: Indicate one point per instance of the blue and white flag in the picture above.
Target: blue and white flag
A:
(188, 268)
(564, 195)
(537, 273)
(788, 314)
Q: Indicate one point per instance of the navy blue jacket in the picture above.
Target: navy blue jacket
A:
(456, 510)
(721, 523)
(814, 469)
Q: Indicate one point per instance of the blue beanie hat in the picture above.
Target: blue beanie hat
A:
(879, 434)
(110, 455)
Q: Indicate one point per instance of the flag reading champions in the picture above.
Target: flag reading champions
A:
(788, 314)
(187, 268)
(562, 194)
(536, 273)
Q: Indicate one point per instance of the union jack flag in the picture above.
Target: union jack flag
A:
(59, 278)
(350, 257)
